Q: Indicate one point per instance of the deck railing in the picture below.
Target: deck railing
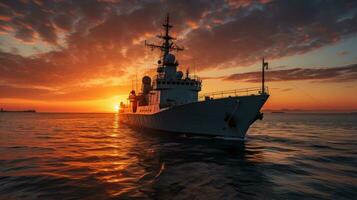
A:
(232, 93)
(192, 77)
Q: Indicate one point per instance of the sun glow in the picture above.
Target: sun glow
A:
(116, 107)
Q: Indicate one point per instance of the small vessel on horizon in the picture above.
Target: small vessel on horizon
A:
(170, 102)
(278, 112)
(2, 110)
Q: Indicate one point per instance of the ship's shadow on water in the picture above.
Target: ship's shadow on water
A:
(195, 167)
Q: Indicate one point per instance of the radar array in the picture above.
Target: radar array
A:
(168, 44)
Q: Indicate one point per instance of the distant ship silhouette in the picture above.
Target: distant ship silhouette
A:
(2, 110)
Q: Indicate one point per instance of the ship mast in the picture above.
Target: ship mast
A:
(264, 67)
(168, 44)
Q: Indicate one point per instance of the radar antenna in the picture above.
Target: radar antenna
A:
(168, 44)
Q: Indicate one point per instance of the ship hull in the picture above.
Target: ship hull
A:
(225, 117)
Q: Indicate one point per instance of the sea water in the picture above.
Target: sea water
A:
(93, 156)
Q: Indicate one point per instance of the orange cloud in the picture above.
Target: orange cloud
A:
(103, 39)
(334, 74)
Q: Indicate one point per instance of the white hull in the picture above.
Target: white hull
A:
(204, 117)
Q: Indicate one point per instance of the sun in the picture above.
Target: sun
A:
(116, 107)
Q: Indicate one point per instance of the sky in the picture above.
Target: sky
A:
(82, 56)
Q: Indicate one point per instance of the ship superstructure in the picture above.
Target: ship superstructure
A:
(170, 100)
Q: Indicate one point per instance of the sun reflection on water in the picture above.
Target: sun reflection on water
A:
(83, 156)
(80, 148)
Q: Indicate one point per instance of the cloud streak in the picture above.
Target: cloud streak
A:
(334, 74)
(62, 94)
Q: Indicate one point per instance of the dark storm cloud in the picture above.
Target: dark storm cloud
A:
(104, 38)
(335, 74)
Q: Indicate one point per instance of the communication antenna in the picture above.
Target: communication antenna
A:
(132, 84)
(136, 80)
(194, 65)
(167, 45)
(264, 67)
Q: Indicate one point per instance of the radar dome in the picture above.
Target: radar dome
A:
(179, 75)
(146, 80)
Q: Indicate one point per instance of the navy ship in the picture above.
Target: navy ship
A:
(170, 100)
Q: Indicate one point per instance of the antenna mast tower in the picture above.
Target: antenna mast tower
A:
(168, 44)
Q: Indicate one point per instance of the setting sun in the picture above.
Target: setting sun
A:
(116, 107)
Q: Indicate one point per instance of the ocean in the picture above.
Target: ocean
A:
(93, 156)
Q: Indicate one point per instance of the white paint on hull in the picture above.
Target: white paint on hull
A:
(203, 117)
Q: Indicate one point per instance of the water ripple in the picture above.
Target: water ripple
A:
(92, 156)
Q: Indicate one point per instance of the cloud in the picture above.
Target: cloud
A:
(286, 89)
(95, 47)
(342, 53)
(53, 69)
(274, 29)
(102, 39)
(62, 94)
(335, 74)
